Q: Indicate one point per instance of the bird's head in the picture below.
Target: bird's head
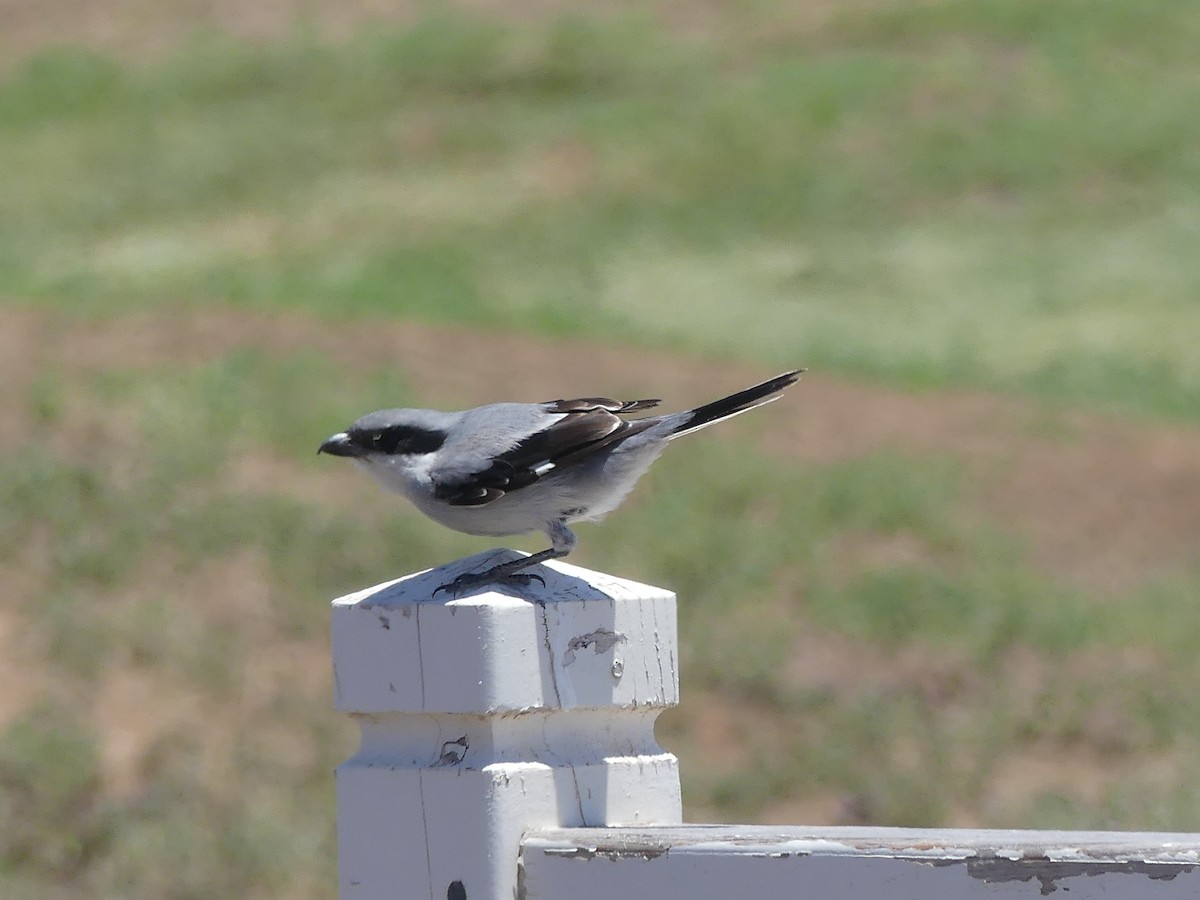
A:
(389, 432)
(391, 444)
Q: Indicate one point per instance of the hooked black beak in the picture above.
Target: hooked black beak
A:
(340, 445)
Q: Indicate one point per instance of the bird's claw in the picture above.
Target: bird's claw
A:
(468, 581)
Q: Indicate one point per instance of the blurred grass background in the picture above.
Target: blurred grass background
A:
(951, 579)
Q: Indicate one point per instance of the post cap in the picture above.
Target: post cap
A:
(582, 640)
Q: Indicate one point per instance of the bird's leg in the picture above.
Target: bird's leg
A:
(563, 541)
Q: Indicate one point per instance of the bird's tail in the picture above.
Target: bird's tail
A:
(735, 404)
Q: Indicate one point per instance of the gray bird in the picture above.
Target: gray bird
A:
(513, 468)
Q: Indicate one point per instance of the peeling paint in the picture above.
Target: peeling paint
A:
(453, 752)
(571, 852)
(601, 640)
(625, 850)
(1086, 863)
(998, 869)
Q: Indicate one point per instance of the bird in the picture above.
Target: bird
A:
(514, 468)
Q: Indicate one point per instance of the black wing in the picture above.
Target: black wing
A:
(588, 425)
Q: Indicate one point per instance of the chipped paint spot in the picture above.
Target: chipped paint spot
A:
(456, 891)
(601, 640)
(571, 852)
(623, 850)
(453, 752)
(385, 622)
(1088, 863)
(1048, 871)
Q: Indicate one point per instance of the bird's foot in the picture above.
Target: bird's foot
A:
(496, 576)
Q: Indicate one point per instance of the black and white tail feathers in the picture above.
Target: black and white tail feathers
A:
(735, 404)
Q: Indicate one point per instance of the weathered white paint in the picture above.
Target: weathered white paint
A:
(486, 716)
(493, 716)
(718, 862)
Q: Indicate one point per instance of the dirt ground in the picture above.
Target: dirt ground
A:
(145, 29)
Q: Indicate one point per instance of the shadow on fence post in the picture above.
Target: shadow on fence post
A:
(490, 715)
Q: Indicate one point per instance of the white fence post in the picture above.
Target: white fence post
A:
(490, 715)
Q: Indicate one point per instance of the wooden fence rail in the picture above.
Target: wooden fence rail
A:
(707, 862)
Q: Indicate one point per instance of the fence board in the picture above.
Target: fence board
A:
(706, 862)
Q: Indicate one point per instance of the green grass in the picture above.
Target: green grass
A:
(999, 195)
(935, 194)
(49, 780)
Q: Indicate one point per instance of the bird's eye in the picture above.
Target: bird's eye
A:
(388, 440)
